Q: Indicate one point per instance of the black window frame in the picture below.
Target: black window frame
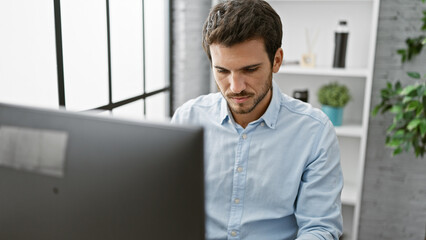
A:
(111, 104)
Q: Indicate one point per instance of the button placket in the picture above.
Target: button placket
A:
(239, 182)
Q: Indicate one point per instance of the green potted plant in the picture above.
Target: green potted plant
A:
(407, 104)
(333, 97)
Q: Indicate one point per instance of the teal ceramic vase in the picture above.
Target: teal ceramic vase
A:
(334, 113)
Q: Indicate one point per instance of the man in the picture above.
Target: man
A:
(272, 166)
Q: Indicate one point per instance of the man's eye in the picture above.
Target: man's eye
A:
(222, 71)
(251, 69)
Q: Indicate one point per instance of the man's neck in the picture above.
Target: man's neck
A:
(244, 119)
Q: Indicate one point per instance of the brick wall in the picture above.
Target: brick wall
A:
(190, 67)
(394, 192)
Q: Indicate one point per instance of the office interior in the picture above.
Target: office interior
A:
(140, 60)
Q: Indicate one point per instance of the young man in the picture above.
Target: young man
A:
(272, 164)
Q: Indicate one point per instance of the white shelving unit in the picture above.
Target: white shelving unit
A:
(322, 16)
(349, 131)
(325, 71)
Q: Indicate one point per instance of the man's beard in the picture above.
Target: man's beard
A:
(239, 110)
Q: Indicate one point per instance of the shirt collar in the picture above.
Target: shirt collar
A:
(224, 111)
(270, 116)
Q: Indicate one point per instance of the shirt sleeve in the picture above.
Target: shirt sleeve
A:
(184, 115)
(175, 118)
(178, 116)
(318, 204)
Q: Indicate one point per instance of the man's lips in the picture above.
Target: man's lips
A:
(240, 99)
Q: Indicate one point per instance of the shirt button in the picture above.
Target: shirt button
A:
(233, 233)
(262, 124)
(239, 169)
(237, 200)
(244, 136)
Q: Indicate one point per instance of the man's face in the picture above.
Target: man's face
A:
(243, 73)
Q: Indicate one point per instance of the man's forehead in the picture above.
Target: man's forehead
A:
(252, 42)
(239, 55)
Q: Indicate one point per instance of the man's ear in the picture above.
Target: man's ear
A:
(278, 60)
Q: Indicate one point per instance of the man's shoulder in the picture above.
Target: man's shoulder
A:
(302, 109)
(202, 106)
(203, 101)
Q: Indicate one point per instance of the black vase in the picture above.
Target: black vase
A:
(301, 95)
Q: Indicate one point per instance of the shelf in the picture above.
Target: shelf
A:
(349, 194)
(349, 131)
(319, 20)
(324, 71)
(338, 1)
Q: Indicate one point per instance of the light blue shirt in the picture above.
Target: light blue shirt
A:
(279, 178)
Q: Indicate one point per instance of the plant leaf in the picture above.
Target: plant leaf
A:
(407, 99)
(419, 151)
(398, 86)
(415, 75)
(396, 109)
(408, 89)
(423, 128)
(413, 124)
(401, 51)
(398, 134)
(399, 117)
(384, 93)
(386, 108)
(403, 54)
(413, 105)
(376, 110)
(419, 111)
(394, 143)
(397, 151)
(389, 130)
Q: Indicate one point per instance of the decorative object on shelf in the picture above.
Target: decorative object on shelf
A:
(408, 104)
(309, 58)
(290, 62)
(302, 95)
(340, 44)
(333, 97)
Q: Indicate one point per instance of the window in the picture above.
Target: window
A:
(108, 55)
(27, 53)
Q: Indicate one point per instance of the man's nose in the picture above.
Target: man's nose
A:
(237, 83)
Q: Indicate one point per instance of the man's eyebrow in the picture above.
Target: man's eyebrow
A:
(251, 66)
(242, 68)
(219, 67)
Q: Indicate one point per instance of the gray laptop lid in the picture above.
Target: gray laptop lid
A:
(98, 178)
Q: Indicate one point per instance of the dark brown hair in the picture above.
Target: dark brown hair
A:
(235, 21)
